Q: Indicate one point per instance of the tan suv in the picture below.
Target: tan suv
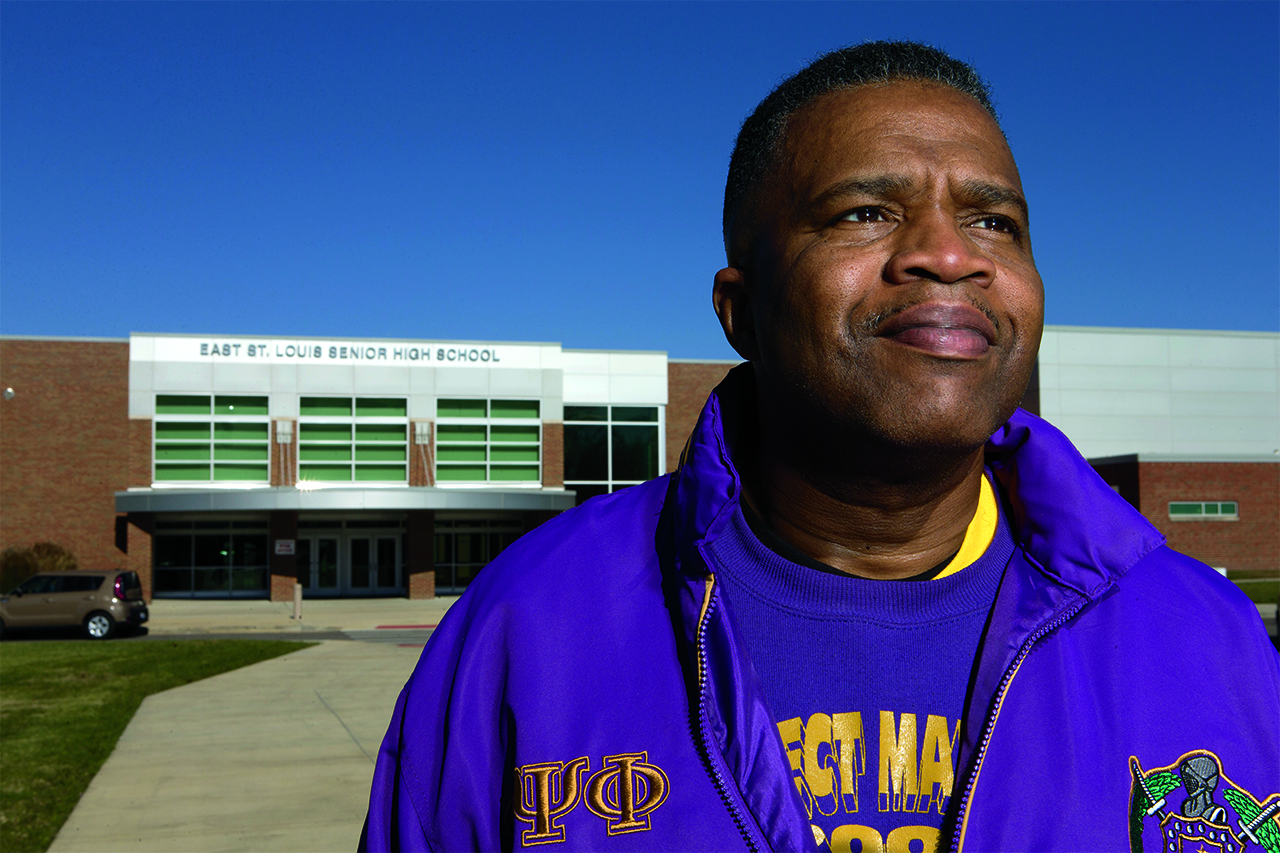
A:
(96, 601)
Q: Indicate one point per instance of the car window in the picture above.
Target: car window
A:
(40, 584)
(85, 583)
(131, 581)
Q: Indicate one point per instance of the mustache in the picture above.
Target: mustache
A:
(872, 324)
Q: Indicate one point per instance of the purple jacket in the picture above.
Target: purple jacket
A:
(591, 691)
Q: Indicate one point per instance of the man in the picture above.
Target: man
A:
(877, 607)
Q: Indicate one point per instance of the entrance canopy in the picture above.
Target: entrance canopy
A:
(292, 498)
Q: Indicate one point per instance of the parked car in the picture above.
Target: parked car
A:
(99, 602)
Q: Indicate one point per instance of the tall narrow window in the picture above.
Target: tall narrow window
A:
(353, 439)
(201, 437)
(488, 441)
(607, 448)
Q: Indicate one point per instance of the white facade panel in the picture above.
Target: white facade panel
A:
(639, 388)
(242, 378)
(580, 388)
(325, 379)
(1111, 402)
(1112, 378)
(1239, 380)
(1124, 391)
(182, 377)
(523, 382)
(142, 404)
(284, 378)
(381, 380)
(1191, 350)
(1106, 348)
(459, 381)
(283, 405)
(140, 373)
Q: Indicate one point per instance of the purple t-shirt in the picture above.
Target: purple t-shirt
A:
(866, 679)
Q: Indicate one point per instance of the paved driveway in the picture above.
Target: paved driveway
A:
(277, 756)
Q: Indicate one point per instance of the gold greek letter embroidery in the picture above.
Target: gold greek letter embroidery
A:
(545, 792)
(625, 791)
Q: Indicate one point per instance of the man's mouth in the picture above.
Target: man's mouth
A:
(944, 330)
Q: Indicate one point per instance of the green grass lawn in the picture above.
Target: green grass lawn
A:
(64, 704)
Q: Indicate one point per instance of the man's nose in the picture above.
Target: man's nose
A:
(935, 247)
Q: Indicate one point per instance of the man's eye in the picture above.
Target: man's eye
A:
(866, 214)
(998, 223)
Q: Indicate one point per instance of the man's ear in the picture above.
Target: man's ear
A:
(732, 301)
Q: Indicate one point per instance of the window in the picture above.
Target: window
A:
(488, 441)
(210, 559)
(353, 439)
(1204, 511)
(203, 438)
(464, 546)
(607, 448)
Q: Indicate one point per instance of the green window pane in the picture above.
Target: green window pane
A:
(380, 432)
(380, 453)
(513, 409)
(242, 432)
(224, 405)
(513, 472)
(325, 407)
(586, 413)
(586, 452)
(635, 452)
(324, 452)
(383, 473)
(1210, 509)
(168, 431)
(324, 432)
(514, 454)
(381, 407)
(233, 471)
(460, 453)
(460, 432)
(460, 408)
(459, 472)
(1230, 508)
(324, 472)
(1184, 509)
(514, 433)
(645, 414)
(256, 452)
(179, 404)
(182, 451)
(182, 472)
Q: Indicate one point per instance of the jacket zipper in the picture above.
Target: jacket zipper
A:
(989, 726)
(700, 732)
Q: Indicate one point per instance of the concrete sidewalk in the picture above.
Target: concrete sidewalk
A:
(277, 756)
(253, 616)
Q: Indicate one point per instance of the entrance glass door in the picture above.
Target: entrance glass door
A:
(318, 565)
(374, 564)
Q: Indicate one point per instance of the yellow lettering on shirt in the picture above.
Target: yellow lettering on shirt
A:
(847, 730)
(898, 780)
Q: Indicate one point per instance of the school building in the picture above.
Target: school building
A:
(220, 466)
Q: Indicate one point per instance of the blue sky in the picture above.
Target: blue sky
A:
(554, 172)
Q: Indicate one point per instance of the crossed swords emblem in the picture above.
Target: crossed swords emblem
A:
(1248, 830)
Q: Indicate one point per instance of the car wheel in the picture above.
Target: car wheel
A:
(1, 629)
(99, 625)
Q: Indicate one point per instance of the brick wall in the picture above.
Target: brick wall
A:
(284, 456)
(1253, 542)
(688, 386)
(65, 442)
(552, 454)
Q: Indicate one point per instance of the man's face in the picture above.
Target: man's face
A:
(891, 290)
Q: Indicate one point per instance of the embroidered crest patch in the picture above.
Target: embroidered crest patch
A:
(1191, 806)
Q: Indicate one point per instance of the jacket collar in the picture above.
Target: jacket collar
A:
(1051, 493)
